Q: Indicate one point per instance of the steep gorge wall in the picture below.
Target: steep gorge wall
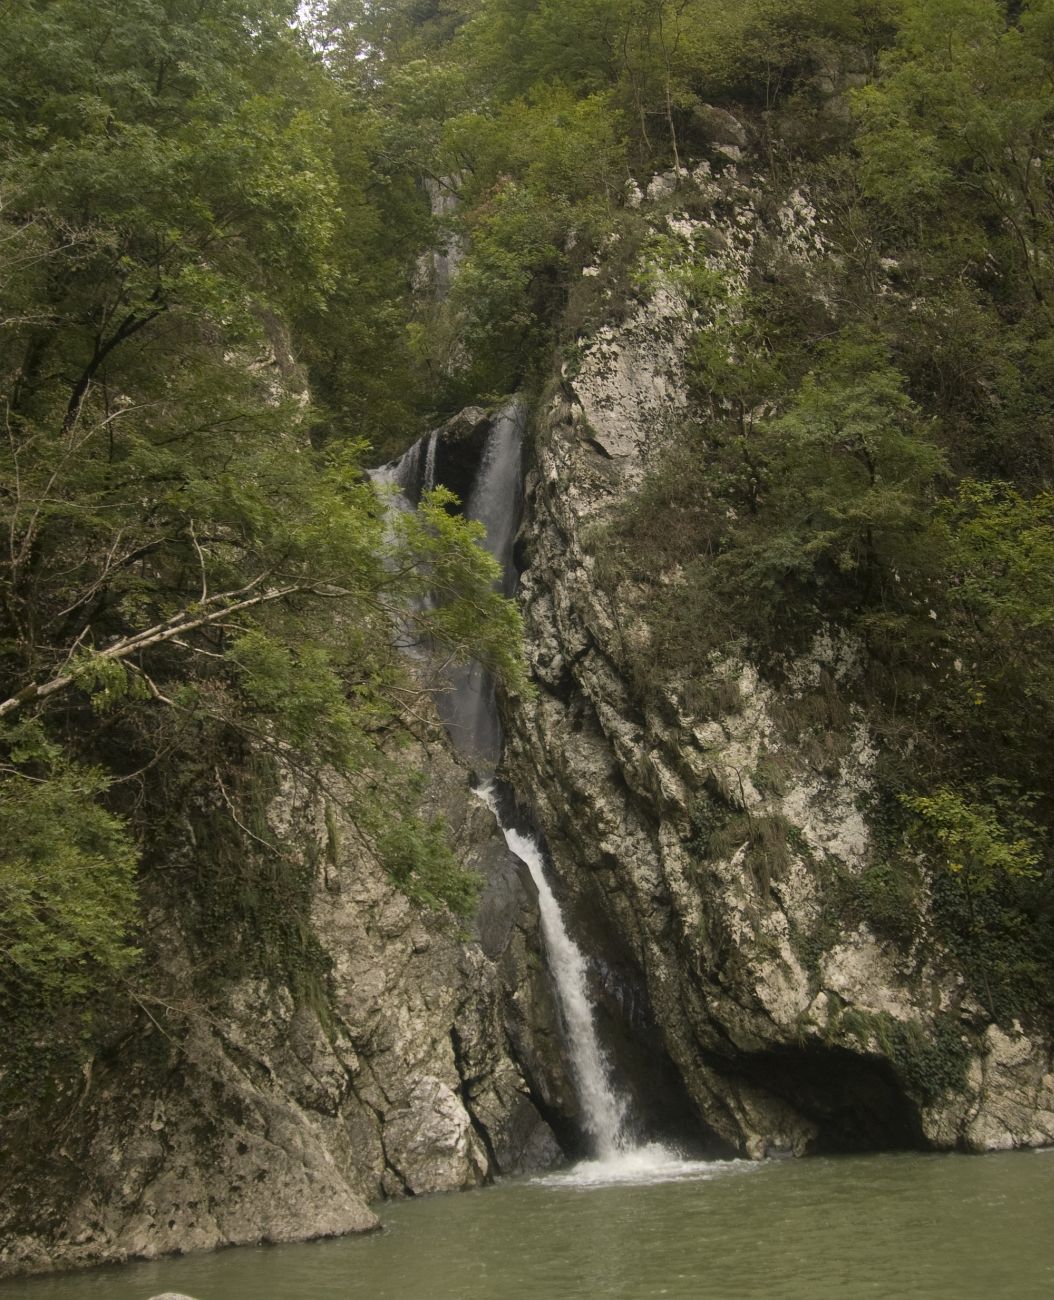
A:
(793, 1026)
(744, 1010)
(257, 1118)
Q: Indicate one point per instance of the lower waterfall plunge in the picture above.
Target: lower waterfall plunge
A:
(617, 1158)
(604, 1112)
(469, 711)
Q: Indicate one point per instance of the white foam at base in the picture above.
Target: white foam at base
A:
(642, 1166)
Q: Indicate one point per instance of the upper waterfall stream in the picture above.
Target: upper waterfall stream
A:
(469, 707)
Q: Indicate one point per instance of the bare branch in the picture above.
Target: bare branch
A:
(178, 625)
(201, 563)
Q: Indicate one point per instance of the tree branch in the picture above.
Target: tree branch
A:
(178, 625)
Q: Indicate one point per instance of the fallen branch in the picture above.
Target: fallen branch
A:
(178, 625)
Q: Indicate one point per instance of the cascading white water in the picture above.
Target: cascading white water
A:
(401, 474)
(603, 1110)
(469, 710)
(402, 483)
(414, 473)
(495, 497)
(617, 1158)
(468, 706)
(430, 461)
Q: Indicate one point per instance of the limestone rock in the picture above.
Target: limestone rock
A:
(785, 1028)
(719, 125)
(257, 1120)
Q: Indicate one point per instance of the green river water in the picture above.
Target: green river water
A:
(883, 1227)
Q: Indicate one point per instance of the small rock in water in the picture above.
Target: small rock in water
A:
(172, 1295)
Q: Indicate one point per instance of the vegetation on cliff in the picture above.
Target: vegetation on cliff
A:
(209, 211)
(871, 456)
(867, 450)
(199, 587)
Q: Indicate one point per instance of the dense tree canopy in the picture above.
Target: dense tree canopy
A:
(199, 588)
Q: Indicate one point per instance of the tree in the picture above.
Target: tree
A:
(957, 132)
(199, 593)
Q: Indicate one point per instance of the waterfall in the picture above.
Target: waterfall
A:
(430, 461)
(495, 499)
(603, 1111)
(468, 705)
(413, 474)
(617, 1159)
(469, 710)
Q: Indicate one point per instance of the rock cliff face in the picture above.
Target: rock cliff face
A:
(255, 1119)
(790, 1025)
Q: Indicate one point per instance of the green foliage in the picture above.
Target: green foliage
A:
(867, 458)
(974, 838)
(203, 217)
(955, 129)
(1000, 547)
(105, 681)
(887, 896)
(763, 838)
(869, 448)
(532, 116)
(202, 220)
(930, 1063)
(301, 694)
(67, 875)
(246, 888)
(1003, 938)
(464, 612)
(787, 521)
(540, 193)
(418, 857)
(840, 488)
(663, 58)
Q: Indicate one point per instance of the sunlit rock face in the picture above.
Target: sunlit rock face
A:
(792, 1028)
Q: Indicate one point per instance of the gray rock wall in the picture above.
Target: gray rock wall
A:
(791, 1029)
(256, 1119)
